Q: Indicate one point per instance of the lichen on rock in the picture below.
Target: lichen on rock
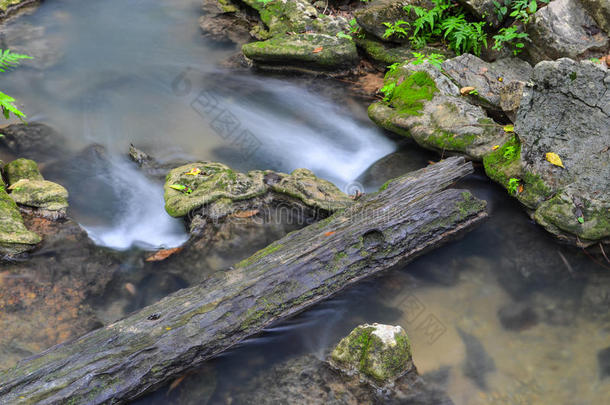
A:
(15, 238)
(381, 353)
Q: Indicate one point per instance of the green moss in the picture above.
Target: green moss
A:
(5, 4)
(408, 97)
(259, 255)
(444, 140)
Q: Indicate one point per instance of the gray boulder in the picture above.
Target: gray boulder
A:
(600, 11)
(565, 112)
(426, 106)
(563, 29)
(482, 9)
(487, 78)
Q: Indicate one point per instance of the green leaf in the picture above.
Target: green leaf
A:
(581, 220)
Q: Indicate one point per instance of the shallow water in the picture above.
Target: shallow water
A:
(139, 72)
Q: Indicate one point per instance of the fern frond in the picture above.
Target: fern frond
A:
(9, 60)
(7, 107)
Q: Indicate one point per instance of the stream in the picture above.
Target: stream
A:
(505, 315)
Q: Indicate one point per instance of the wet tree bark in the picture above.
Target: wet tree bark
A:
(121, 361)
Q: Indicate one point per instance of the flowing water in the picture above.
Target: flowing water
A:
(505, 315)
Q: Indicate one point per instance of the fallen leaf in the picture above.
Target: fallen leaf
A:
(176, 383)
(466, 90)
(520, 188)
(168, 328)
(581, 220)
(495, 147)
(194, 172)
(329, 233)
(162, 254)
(319, 49)
(245, 214)
(500, 79)
(131, 288)
(180, 187)
(508, 128)
(554, 159)
(430, 162)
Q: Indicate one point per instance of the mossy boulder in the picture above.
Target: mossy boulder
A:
(212, 182)
(573, 201)
(41, 194)
(303, 185)
(15, 238)
(217, 186)
(303, 52)
(381, 353)
(21, 169)
(423, 104)
(29, 189)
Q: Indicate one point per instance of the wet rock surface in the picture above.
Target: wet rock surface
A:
(223, 21)
(306, 379)
(427, 107)
(571, 202)
(563, 29)
(34, 140)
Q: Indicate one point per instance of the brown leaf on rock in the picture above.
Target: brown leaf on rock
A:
(163, 254)
(319, 49)
(245, 214)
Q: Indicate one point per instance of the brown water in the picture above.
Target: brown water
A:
(114, 72)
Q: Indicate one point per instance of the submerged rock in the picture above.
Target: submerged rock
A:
(423, 104)
(381, 353)
(34, 140)
(563, 29)
(477, 363)
(573, 201)
(303, 52)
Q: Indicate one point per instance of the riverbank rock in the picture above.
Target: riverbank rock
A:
(303, 52)
(423, 104)
(224, 21)
(29, 190)
(10, 7)
(557, 164)
(488, 79)
(563, 29)
(381, 353)
(483, 10)
(600, 11)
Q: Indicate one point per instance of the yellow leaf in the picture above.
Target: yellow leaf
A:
(495, 147)
(194, 172)
(509, 128)
(554, 159)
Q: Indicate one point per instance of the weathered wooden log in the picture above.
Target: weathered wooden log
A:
(121, 361)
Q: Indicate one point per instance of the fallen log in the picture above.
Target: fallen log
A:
(123, 360)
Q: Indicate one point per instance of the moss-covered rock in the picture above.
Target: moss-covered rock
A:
(372, 17)
(378, 352)
(21, 169)
(15, 238)
(218, 187)
(41, 194)
(423, 104)
(206, 182)
(319, 52)
(303, 185)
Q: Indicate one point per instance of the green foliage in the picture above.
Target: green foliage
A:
(388, 91)
(354, 29)
(435, 59)
(447, 22)
(509, 152)
(344, 35)
(397, 29)
(265, 2)
(391, 69)
(502, 9)
(513, 185)
(509, 36)
(520, 10)
(9, 60)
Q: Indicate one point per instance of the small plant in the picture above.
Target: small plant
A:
(388, 91)
(435, 59)
(510, 36)
(510, 152)
(354, 28)
(8, 61)
(391, 69)
(513, 185)
(501, 9)
(397, 29)
(341, 34)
